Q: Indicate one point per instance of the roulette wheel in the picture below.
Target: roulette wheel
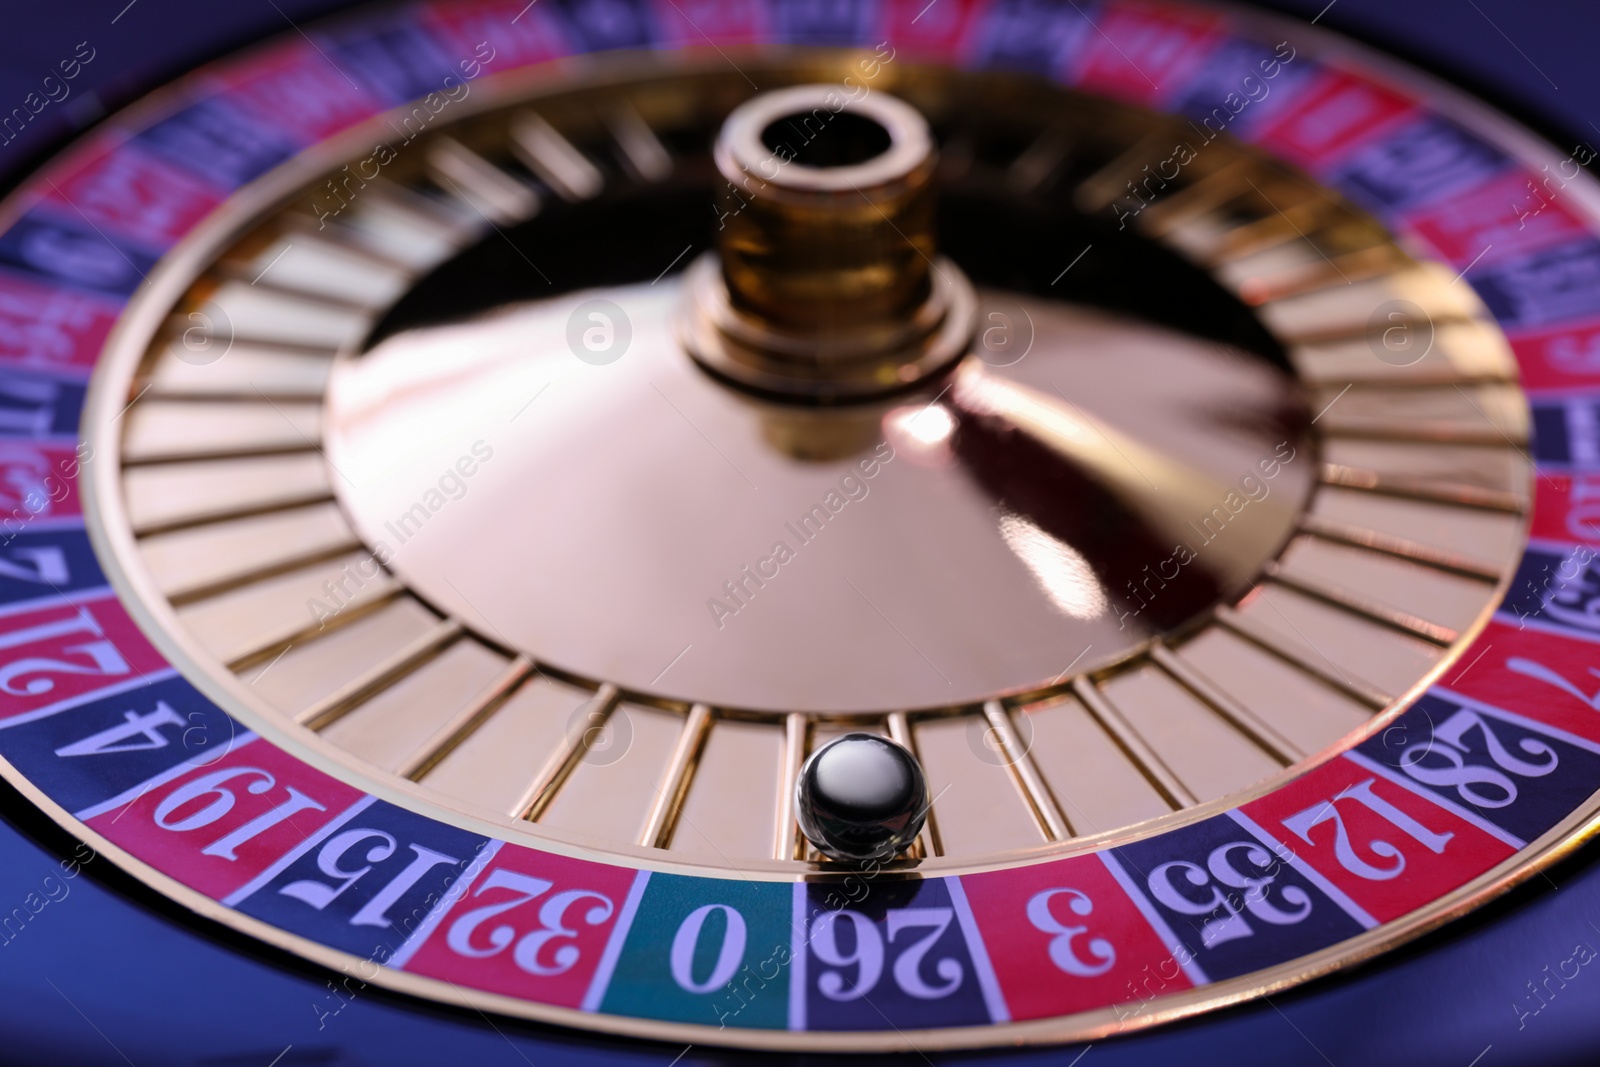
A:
(629, 531)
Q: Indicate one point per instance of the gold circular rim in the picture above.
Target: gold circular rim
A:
(1557, 843)
(910, 142)
(110, 532)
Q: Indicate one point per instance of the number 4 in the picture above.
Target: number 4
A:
(120, 738)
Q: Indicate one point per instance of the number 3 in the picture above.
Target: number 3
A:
(551, 914)
(1062, 952)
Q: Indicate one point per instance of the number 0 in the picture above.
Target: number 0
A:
(688, 939)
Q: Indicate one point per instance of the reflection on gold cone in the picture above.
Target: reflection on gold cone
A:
(1167, 494)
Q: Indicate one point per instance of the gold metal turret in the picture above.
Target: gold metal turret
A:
(827, 285)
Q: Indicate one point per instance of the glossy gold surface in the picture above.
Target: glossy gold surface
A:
(537, 552)
(833, 246)
(1471, 476)
(510, 617)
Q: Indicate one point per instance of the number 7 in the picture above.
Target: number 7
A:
(1539, 672)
